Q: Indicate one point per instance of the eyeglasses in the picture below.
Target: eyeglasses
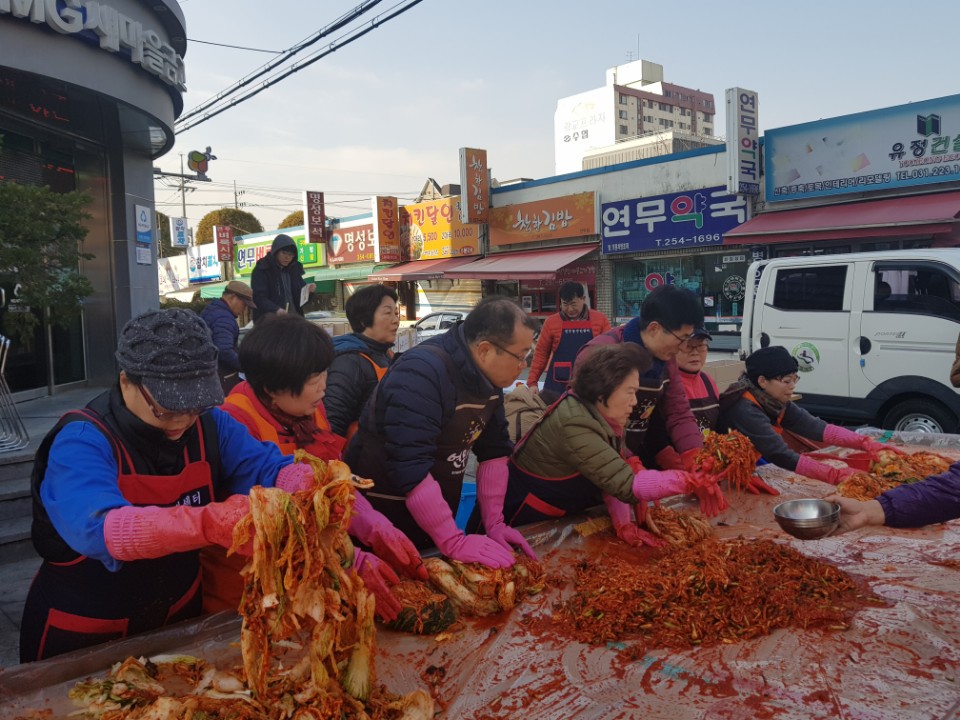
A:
(691, 346)
(681, 339)
(522, 359)
(166, 415)
(788, 379)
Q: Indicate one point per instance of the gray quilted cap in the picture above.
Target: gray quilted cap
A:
(171, 352)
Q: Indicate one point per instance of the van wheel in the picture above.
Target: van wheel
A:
(920, 416)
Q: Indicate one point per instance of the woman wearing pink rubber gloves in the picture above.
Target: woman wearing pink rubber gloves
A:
(575, 457)
(129, 488)
(285, 362)
(759, 406)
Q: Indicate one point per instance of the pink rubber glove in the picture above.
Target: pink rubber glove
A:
(141, 533)
(756, 485)
(825, 473)
(378, 578)
(649, 485)
(431, 512)
(688, 458)
(295, 477)
(626, 529)
(390, 545)
(492, 476)
(836, 435)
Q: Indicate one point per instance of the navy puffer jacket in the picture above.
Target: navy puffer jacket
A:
(415, 400)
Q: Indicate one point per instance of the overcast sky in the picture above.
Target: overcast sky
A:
(384, 113)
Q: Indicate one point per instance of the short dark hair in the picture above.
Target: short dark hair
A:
(362, 305)
(672, 307)
(495, 319)
(570, 290)
(599, 371)
(282, 352)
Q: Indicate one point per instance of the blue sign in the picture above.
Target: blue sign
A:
(695, 218)
(896, 147)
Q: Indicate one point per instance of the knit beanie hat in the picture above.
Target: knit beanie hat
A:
(771, 362)
(171, 353)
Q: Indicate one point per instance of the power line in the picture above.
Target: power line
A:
(297, 67)
(340, 22)
(234, 47)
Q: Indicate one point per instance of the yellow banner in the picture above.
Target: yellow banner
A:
(432, 230)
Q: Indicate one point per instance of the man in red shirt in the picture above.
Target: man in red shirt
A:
(561, 338)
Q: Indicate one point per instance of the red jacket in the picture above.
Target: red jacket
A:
(550, 340)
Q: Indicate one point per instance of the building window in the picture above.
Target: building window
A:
(648, 118)
(665, 108)
(623, 114)
(623, 130)
(623, 99)
(708, 117)
(707, 130)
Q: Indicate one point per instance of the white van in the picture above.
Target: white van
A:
(874, 333)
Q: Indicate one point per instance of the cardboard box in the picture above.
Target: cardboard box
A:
(724, 372)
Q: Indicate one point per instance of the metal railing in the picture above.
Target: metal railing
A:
(13, 433)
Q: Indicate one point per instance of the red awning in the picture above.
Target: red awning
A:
(419, 269)
(919, 215)
(526, 265)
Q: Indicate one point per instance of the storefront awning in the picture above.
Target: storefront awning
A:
(355, 271)
(420, 270)
(526, 265)
(212, 291)
(919, 215)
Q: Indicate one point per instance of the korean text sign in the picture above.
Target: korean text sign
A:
(246, 255)
(224, 239)
(902, 146)
(553, 218)
(314, 216)
(474, 186)
(695, 218)
(350, 244)
(386, 229)
(432, 230)
(743, 146)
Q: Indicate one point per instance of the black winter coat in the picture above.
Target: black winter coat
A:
(268, 286)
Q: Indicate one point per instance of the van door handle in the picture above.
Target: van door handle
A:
(865, 345)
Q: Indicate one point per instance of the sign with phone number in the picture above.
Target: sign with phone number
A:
(695, 218)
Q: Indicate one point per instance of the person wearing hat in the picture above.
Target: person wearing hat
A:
(759, 406)
(129, 488)
(277, 280)
(221, 317)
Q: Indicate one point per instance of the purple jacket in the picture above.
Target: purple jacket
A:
(681, 424)
(934, 500)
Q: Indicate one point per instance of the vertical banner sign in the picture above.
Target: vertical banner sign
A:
(224, 239)
(178, 232)
(474, 186)
(314, 216)
(386, 230)
(144, 219)
(743, 147)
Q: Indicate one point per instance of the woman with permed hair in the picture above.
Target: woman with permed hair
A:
(575, 457)
(285, 362)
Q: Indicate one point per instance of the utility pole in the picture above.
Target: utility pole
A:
(183, 188)
(236, 202)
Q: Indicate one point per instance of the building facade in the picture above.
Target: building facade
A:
(88, 97)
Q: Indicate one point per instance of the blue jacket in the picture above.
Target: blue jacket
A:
(352, 378)
(226, 334)
(80, 485)
(415, 400)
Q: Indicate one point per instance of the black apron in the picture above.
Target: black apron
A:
(531, 498)
(648, 395)
(75, 602)
(451, 451)
(706, 410)
(574, 334)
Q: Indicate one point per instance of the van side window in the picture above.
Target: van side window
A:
(916, 288)
(810, 288)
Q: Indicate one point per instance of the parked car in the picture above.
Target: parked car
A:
(436, 323)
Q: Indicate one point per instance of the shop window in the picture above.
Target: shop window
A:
(810, 288)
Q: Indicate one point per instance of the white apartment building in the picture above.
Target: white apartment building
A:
(634, 102)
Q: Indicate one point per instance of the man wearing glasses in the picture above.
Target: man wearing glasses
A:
(439, 402)
(127, 490)
(561, 338)
(759, 405)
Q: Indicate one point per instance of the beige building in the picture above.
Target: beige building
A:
(634, 103)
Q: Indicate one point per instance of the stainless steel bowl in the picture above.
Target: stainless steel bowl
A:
(807, 519)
